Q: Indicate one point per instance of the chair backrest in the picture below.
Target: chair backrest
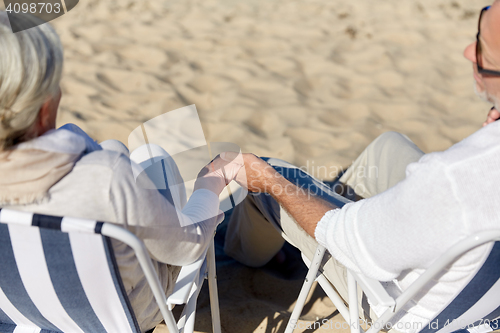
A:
(476, 308)
(59, 275)
(477, 305)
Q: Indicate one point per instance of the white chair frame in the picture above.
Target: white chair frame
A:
(373, 289)
(185, 293)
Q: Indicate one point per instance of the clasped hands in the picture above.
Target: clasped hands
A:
(247, 170)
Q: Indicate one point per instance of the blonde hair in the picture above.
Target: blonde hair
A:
(30, 72)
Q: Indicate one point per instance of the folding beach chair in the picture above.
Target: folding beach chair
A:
(476, 309)
(60, 275)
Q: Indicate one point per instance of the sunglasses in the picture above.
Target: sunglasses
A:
(479, 60)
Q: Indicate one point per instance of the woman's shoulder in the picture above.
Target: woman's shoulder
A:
(102, 158)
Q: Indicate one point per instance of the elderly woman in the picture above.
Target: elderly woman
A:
(64, 172)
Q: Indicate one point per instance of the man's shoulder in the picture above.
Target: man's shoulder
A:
(482, 144)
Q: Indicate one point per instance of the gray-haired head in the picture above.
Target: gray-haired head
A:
(30, 72)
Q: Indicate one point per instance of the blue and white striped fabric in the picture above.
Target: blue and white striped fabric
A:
(59, 275)
(476, 309)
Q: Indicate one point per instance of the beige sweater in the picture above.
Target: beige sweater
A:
(101, 186)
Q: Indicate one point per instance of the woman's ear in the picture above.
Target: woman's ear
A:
(43, 118)
(47, 115)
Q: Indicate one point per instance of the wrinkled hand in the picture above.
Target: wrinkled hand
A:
(493, 115)
(219, 172)
(257, 175)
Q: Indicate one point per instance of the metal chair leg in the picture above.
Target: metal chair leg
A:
(306, 287)
(212, 287)
(353, 303)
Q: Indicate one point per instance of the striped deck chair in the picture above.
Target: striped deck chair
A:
(60, 275)
(476, 309)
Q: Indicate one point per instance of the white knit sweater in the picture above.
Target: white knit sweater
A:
(446, 196)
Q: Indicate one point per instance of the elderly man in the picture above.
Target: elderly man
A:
(416, 206)
(64, 172)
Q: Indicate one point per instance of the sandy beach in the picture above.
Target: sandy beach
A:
(312, 82)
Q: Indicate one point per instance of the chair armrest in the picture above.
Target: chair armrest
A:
(374, 290)
(188, 276)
